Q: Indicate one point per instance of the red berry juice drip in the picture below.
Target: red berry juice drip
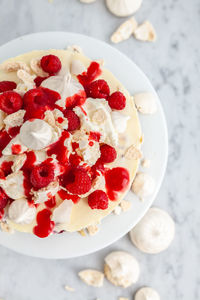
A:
(65, 196)
(44, 224)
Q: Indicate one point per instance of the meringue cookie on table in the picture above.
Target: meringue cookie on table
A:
(146, 103)
(36, 134)
(143, 185)
(20, 212)
(154, 233)
(121, 268)
(147, 293)
(123, 8)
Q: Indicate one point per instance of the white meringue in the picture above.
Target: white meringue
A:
(123, 8)
(89, 153)
(13, 185)
(62, 213)
(15, 119)
(143, 185)
(119, 121)
(42, 195)
(121, 268)
(77, 67)
(65, 85)
(36, 134)
(8, 150)
(147, 293)
(2, 118)
(92, 277)
(154, 233)
(146, 103)
(20, 212)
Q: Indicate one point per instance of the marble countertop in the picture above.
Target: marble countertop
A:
(173, 66)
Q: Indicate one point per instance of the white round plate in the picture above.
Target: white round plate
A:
(155, 148)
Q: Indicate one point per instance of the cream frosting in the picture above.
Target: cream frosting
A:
(21, 212)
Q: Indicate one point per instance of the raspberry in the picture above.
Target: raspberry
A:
(98, 200)
(108, 154)
(117, 101)
(7, 86)
(38, 80)
(98, 89)
(42, 175)
(10, 102)
(73, 120)
(50, 64)
(3, 199)
(80, 182)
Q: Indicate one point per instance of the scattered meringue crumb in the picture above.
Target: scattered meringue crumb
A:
(26, 77)
(75, 48)
(121, 269)
(147, 293)
(82, 232)
(117, 211)
(133, 153)
(146, 103)
(92, 277)
(13, 66)
(146, 163)
(143, 185)
(141, 140)
(125, 205)
(145, 32)
(6, 228)
(124, 31)
(87, 1)
(69, 288)
(92, 229)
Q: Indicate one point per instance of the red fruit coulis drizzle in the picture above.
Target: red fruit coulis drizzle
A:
(76, 100)
(60, 120)
(95, 136)
(44, 224)
(16, 149)
(27, 168)
(59, 149)
(91, 74)
(4, 140)
(14, 131)
(51, 203)
(1, 213)
(117, 180)
(66, 196)
(5, 169)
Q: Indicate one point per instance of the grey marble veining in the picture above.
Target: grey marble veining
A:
(173, 65)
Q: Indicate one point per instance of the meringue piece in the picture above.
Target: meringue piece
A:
(146, 293)
(77, 67)
(92, 229)
(145, 32)
(18, 163)
(133, 153)
(106, 129)
(99, 116)
(15, 119)
(2, 118)
(8, 150)
(13, 185)
(21, 212)
(69, 288)
(119, 121)
(43, 195)
(36, 134)
(154, 233)
(146, 163)
(22, 88)
(89, 153)
(13, 66)
(123, 8)
(143, 185)
(36, 68)
(65, 85)
(26, 77)
(41, 155)
(92, 277)
(6, 227)
(117, 211)
(124, 31)
(59, 115)
(125, 205)
(62, 213)
(146, 103)
(121, 268)
(87, 1)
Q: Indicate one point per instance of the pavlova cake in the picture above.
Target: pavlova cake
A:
(69, 142)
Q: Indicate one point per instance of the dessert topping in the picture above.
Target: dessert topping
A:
(117, 101)
(10, 102)
(50, 64)
(7, 86)
(98, 200)
(21, 212)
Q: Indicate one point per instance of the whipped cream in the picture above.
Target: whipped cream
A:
(106, 128)
(65, 85)
(36, 134)
(20, 212)
(13, 185)
(15, 141)
(119, 121)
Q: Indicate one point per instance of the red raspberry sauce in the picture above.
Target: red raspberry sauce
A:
(95, 136)
(51, 202)
(16, 149)
(44, 224)
(5, 169)
(65, 196)
(117, 180)
(27, 168)
(59, 149)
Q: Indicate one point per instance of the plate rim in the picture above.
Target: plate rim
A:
(164, 166)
